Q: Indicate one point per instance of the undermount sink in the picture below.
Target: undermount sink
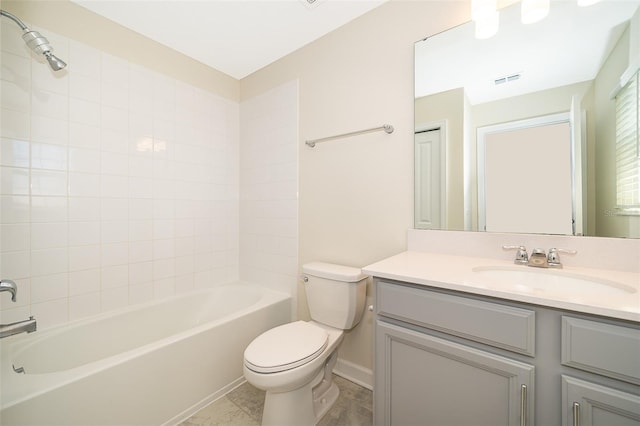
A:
(538, 280)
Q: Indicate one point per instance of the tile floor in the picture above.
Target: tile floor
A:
(243, 407)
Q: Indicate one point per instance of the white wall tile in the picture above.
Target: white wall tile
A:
(84, 281)
(114, 254)
(85, 87)
(49, 261)
(84, 209)
(49, 130)
(45, 182)
(14, 181)
(48, 209)
(84, 160)
(86, 60)
(51, 313)
(114, 298)
(49, 287)
(47, 156)
(84, 135)
(84, 233)
(14, 96)
(84, 112)
(84, 305)
(14, 152)
(15, 124)
(14, 67)
(15, 237)
(50, 104)
(84, 257)
(49, 235)
(119, 184)
(14, 209)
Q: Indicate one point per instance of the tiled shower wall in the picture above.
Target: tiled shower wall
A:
(118, 184)
(269, 188)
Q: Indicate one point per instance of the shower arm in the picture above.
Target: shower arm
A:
(15, 19)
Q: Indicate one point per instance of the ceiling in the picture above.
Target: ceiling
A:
(237, 37)
(570, 45)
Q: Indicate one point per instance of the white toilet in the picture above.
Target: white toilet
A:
(293, 362)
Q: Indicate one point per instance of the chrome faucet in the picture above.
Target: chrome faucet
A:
(26, 326)
(538, 258)
(553, 258)
(11, 287)
(522, 258)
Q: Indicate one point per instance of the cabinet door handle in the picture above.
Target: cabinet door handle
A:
(523, 405)
(576, 414)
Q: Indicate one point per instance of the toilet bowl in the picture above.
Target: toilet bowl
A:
(293, 363)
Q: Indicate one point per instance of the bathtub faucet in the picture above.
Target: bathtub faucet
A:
(26, 326)
(11, 287)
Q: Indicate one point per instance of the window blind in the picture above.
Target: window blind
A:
(628, 147)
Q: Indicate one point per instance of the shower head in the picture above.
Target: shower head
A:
(37, 42)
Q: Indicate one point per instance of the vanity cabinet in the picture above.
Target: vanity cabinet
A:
(449, 358)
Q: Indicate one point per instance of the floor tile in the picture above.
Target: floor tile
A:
(243, 407)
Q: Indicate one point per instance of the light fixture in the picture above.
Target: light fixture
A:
(486, 17)
(482, 9)
(488, 26)
(534, 10)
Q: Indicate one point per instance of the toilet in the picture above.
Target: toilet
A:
(293, 363)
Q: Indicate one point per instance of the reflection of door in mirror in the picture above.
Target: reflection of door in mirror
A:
(526, 170)
(430, 204)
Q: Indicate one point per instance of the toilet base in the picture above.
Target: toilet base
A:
(304, 406)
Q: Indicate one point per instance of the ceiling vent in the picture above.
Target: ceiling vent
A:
(507, 79)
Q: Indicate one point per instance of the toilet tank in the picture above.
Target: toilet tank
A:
(335, 293)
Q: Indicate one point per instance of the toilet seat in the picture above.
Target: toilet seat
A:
(285, 347)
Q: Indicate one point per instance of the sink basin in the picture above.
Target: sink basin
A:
(537, 280)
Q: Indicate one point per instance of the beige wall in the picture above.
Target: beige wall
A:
(75, 22)
(356, 194)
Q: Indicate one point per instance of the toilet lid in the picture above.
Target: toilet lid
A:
(285, 347)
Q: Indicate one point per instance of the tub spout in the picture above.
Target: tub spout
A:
(26, 326)
(11, 287)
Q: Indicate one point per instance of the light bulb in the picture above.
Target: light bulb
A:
(534, 10)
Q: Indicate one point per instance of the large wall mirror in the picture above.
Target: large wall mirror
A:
(517, 132)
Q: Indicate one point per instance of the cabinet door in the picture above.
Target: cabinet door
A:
(425, 380)
(589, 404)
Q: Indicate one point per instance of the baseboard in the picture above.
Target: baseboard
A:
(354, 373)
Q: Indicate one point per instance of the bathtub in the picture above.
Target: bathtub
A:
(152, 364)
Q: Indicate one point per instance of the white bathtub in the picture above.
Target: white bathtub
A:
(152, 364)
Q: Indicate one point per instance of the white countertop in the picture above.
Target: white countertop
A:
(620, 299)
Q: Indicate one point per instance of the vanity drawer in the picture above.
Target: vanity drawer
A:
(493, 324)
(607, 349)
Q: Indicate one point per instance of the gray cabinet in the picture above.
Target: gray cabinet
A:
(589, 404)
(433, 381)
(448, 358)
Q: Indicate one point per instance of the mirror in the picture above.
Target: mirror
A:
(560, 70)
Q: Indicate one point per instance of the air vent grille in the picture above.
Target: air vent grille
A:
(507, 78)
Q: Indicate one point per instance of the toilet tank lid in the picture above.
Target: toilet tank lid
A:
(332, 271)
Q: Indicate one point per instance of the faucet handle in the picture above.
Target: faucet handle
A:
(553, 258)
(522, 258)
